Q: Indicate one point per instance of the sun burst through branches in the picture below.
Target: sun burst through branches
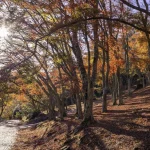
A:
(4, 32)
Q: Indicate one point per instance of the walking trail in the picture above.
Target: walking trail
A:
(8, 133)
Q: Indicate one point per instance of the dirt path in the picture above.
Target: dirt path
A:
(8, 132)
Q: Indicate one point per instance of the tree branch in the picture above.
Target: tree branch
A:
(79, 20)
(135, 7)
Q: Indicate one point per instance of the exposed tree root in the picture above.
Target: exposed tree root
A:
(85, 123)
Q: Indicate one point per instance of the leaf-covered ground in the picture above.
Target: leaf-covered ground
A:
(125, 127)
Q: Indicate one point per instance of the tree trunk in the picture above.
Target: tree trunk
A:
(78, 98)
(61, 109)
(79, 107)
(129, 86)
(104, 104)
(114, 90)
(51, 114)
(128, 67)
(105, 78)
(2, 110)
(143, 80)
(62, 97)
(88, 112)
(104, 97)
(119, 87)
(78, 54)
(51, 111)
(148, 40)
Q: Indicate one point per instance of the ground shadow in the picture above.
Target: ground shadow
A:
(142, 135)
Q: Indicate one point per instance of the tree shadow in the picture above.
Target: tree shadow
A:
(91, 140)
(142, 92)
(70, 126)
(130, 114)
(141, 135)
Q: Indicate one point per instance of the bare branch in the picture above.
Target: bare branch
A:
(135, 7)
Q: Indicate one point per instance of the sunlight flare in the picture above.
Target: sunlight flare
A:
(4, 32)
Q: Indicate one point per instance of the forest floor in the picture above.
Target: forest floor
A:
(125, 127)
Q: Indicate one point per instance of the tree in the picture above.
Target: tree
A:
(61, 44)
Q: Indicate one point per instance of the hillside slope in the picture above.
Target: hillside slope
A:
(125, 127)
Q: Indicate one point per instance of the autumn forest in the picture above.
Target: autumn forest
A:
(57, 53)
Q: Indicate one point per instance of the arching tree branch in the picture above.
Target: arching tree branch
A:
(135, 7)
(80, 20)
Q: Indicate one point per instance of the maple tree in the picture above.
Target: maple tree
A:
(73, 46)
